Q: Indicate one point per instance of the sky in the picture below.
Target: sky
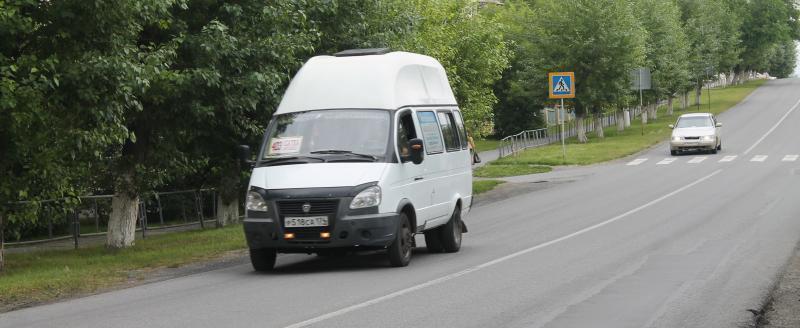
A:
(797, 65)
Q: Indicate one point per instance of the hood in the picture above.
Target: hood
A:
(316, 175)
(692, 132)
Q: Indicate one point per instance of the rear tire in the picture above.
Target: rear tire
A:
(433, 241)
(400, 250)
(450, 233)
(263, 259)
(719, 147)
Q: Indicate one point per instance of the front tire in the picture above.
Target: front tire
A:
(450, 234)
(263, 259)
(400, 250)
(673, 152)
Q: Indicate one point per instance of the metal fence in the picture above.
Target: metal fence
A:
(534, 138)
(157, 210)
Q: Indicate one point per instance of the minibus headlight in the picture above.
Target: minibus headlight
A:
(708, 138)
(255, 202)
(676, 138)
(367, 198)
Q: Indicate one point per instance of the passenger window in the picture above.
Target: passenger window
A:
(461, 131)
(405, 132)
(449, 131)
(430, 132)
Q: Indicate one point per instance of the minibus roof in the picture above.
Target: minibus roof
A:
(383, 81)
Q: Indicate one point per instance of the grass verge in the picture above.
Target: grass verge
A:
(482, 186)
(493, 170)
(42, 276)
(486, 144)
(630, 141)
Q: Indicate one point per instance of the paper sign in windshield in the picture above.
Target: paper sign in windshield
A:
(288, 145)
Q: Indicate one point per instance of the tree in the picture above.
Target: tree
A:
(520, 96)
(601, 41)
(470, 46)
(64, 83)
(666, 49)
(783, 59)
(768, 23)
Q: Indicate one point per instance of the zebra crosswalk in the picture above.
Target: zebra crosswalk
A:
(702, 159)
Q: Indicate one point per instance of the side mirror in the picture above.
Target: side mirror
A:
(719, 125)
(671, 126)
(416, 151)
(243, 151)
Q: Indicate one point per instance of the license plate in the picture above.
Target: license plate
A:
(305, 221)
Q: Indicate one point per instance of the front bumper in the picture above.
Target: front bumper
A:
(684, 145)
(349, 231)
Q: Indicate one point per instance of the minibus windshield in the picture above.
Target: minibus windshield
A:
(339, 135)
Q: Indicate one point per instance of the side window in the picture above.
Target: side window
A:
(431, 134)
(461, 131)
(449, 131)
(405, 132)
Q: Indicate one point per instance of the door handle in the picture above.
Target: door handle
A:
(418, 178)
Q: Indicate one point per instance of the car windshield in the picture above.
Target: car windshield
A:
(694, 122)
(358, 135)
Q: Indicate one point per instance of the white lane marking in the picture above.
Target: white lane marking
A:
(452, 276)
(637, 161)
(697, 159)
(729, 158)
(773, 128)
(759, 158)
(790, 158)
(666, 161)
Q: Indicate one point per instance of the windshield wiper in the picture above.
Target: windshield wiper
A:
(344, 152)
(299, 159)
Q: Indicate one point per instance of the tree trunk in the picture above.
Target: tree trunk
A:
(670, 108)
(227, 210)
(643, 112)
(581, 125)
(122, 221)
(731, 78)
(698, 92)
(621, 121)
(598, 126)
(2, 241)
(654, 111)
(685, 100)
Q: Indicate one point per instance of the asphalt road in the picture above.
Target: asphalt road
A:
(674, 244)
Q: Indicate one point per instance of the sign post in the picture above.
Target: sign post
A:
(561, 86)
(640, 79)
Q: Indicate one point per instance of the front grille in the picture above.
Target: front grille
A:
(691, 138)
(317, 207)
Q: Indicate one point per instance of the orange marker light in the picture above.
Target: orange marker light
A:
(325, 235)
(288, 235)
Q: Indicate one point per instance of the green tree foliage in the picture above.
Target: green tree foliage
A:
(768, 23)
(601, 41)
(783, 60)
(519, 92)
(666, 47)
(470, 46)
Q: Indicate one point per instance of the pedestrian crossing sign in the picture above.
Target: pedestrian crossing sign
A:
(562, 85)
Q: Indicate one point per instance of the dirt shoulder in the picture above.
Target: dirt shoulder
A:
(783, 311)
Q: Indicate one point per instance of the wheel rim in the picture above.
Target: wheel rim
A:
(405, 241)
(457, 226)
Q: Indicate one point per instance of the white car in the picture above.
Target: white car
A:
(366, 149)
(696, 132)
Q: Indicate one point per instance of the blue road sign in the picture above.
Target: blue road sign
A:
(562, 85)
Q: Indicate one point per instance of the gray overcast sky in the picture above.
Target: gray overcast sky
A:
(797, 65)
